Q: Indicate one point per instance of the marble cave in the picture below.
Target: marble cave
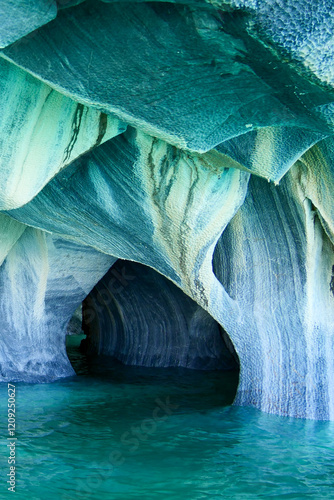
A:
(170, 165)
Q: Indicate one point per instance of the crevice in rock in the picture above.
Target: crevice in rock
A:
(138, 317)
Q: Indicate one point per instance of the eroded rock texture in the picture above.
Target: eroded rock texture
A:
(42, 279)
(195, 138)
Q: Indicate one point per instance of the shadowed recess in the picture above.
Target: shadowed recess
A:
(139, 317)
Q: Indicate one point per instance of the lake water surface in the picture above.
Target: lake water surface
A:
(132, 433)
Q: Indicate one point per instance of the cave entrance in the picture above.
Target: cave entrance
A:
(137, 324)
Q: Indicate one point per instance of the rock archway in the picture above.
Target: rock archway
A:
(139, 317)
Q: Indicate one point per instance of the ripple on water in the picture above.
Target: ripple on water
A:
(95, 437)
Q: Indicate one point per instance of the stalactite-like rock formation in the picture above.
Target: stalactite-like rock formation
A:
(195, 138)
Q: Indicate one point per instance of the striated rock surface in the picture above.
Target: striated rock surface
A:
(190, 77)
(148, 132)
(275, 260)
(42, 280)
(41, 131)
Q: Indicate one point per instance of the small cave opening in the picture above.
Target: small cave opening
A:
(137, 327)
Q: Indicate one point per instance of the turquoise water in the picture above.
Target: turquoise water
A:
(147, 434)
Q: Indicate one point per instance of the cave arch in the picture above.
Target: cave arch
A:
(138, 317)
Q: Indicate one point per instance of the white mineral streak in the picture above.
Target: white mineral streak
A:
(42, 281)
(11, 231)
(41, 131)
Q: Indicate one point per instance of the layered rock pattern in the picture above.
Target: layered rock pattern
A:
(149, 132)
(58, 131)
(275, 260)
(42, 280)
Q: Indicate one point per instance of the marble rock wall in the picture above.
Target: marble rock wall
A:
(195, 138)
